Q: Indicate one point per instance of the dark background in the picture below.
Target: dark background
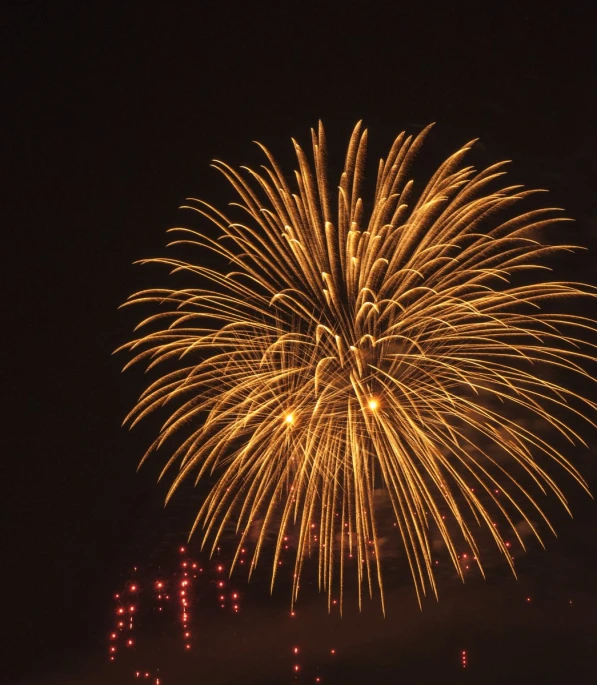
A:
(114, 113)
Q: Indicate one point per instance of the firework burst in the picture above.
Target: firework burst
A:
(349, 351)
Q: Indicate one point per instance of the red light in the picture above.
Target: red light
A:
(295, 650)
(129, 643)
(332, 651)
(159, 585)
(296, 667)
(133, 588)
(182, 550)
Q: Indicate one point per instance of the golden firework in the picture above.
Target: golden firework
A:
(350, 351)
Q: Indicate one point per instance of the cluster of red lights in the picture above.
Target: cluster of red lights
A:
(297, 668)
(125, 614)
(170, 595)
(173, 594)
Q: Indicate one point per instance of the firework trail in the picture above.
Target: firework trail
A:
(348, 351)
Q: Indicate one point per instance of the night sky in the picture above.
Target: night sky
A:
(114, 115)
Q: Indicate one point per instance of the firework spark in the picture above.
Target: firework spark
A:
(349, 351)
